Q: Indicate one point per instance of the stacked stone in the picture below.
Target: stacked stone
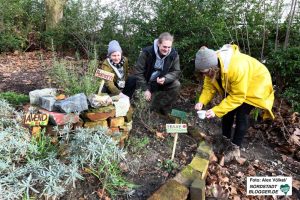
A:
(75, 110)
(190, 181)
(105, 116)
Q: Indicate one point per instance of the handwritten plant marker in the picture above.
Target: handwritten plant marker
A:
(104, 75)
(177, 127)
(36, 119)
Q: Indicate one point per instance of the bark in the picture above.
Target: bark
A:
(1, 23)
(235, 27)
(277, 24)
(291, 18)
(54, 12)
(264, 33)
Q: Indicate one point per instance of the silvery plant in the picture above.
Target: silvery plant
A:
(24, 174)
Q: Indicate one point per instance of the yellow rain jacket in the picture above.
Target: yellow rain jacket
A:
(244, 79)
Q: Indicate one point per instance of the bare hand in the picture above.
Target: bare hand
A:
(160, 81)
(199, 106)
(210, 114)
(147, 95)
(123, 95)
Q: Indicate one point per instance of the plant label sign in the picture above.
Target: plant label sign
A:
(104, 75)
(179, 114)
(36, 119)
(176, 128)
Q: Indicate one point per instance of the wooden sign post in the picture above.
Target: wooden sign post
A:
(104, 75)
(176, 128)
(36, 120)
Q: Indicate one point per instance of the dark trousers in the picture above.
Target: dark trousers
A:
(241, 115)
(130, 86)
(164, 96)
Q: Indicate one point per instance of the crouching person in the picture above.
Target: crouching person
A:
(157, 71)
(116, 63)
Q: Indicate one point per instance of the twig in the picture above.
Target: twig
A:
(146, 125)
(282, 120)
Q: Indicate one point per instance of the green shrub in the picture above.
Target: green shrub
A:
(137, 144)
(74, 79)
(14, 98)
(10, 42)
(285, 70)
(34, 168)
(292, 95)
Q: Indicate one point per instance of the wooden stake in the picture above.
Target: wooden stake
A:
(174, 145)
(101, 87)
(175, 140)
(36, 131)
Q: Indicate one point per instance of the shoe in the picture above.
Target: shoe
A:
(232, 153)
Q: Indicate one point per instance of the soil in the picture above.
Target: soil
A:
(267, 150)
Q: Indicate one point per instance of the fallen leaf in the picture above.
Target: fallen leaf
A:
(294, 117)
(224, 179)
(160, 135)
(241, 160)
(240, 174)
(221, 161)
(284, 158)
(235, 197)
(296, 184)
(295, 137)
(102, 194)
(60, 97)
(218, 192)
(213, 158)
(123, 167)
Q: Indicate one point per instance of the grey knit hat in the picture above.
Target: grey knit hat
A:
(113, 46)
(205, 59)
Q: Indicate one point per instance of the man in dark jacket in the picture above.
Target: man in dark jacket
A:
(158, 69)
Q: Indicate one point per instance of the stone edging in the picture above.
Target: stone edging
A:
(190, 180)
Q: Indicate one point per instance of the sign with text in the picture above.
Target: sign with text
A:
(36, 119)
(176, 128)
(104, 75)
(269, 185)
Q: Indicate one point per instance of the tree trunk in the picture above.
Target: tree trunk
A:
(54, 12)
(235, 27)
(291, 18)
(277, 24)
(264, 33)
(247, 34)
(1, 23)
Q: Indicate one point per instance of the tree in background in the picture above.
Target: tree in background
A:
(258, 27)
(54, 12)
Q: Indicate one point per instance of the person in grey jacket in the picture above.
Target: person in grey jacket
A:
(158, 69)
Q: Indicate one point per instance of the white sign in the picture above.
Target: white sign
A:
(104, 75)
(176, 128)
(269, 185)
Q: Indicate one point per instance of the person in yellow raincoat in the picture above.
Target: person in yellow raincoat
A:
(243, 81)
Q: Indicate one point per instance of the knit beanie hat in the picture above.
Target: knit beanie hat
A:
(113, 46)
(205, 59)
